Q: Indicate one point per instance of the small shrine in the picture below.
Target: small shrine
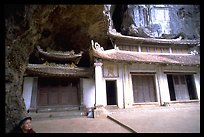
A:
(55, 84)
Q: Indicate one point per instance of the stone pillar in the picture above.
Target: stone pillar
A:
(100, 97)
(163, 86)
(98, 84)
(81, 94)
(126, 101)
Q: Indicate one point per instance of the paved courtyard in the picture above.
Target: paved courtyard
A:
(170, 119)
(183, 118)
(78, 125)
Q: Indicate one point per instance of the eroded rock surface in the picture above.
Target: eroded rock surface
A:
(158, 21)
(57, 27)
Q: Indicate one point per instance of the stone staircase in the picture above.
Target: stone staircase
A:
(57, 108)
(57, 112)
(52, 115)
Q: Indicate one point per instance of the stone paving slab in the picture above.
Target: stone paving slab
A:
(78, 125)
(178, 118)
(171, 119)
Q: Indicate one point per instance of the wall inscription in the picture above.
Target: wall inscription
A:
(110, 70)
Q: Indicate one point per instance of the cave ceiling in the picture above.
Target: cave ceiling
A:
(71, 27)
(66, 27)
(62, 27)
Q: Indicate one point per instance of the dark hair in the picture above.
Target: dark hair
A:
(23, 120)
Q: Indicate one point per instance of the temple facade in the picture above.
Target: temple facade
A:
(137, 71)
(144, 71)
(57, 84)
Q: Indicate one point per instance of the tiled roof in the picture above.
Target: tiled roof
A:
(57, 56)
(130, 56)
(57, 71)
(119, 37)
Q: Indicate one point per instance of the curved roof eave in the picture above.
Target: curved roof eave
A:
(118, 36)
(135, 57)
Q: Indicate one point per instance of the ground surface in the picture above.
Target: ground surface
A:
(170, 119)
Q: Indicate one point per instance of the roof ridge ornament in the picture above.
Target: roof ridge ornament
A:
(96, 46)
(116, 47)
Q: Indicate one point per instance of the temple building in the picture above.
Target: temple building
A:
(144, 71)
(137, 71)
(145, 64)
(55, 84)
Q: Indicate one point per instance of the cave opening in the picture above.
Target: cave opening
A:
(63, 39)
(117, 16)
(35, 58)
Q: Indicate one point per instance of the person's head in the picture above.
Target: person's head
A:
(25, 124)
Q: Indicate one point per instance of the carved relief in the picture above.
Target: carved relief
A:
(110, 70)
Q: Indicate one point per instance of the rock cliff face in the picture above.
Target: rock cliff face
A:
(72, 27)
(158, 21)
(57, 27)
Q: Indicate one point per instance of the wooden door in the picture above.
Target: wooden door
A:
(53, 96)
(180, 87)
(68, 96)
(57, 92)
(137, 89)
(143, 88)
(64, 96)
(42, 96)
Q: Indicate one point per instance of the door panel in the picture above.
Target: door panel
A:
(43, 99)
(137, 87)
(143, 88)
(42, 96)
(76, 95)
(64, 97)
(56, 92)
(53, 96)
(180, 87)
(152, 93)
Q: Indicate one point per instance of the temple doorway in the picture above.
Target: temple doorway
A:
(143, 88)
(58, 92)
(181, 87)
(111, 92)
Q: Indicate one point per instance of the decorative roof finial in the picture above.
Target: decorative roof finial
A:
(96, 45)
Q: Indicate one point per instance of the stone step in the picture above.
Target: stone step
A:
(111, 107)
(47, 112)
(57, 109)
(51, 115)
